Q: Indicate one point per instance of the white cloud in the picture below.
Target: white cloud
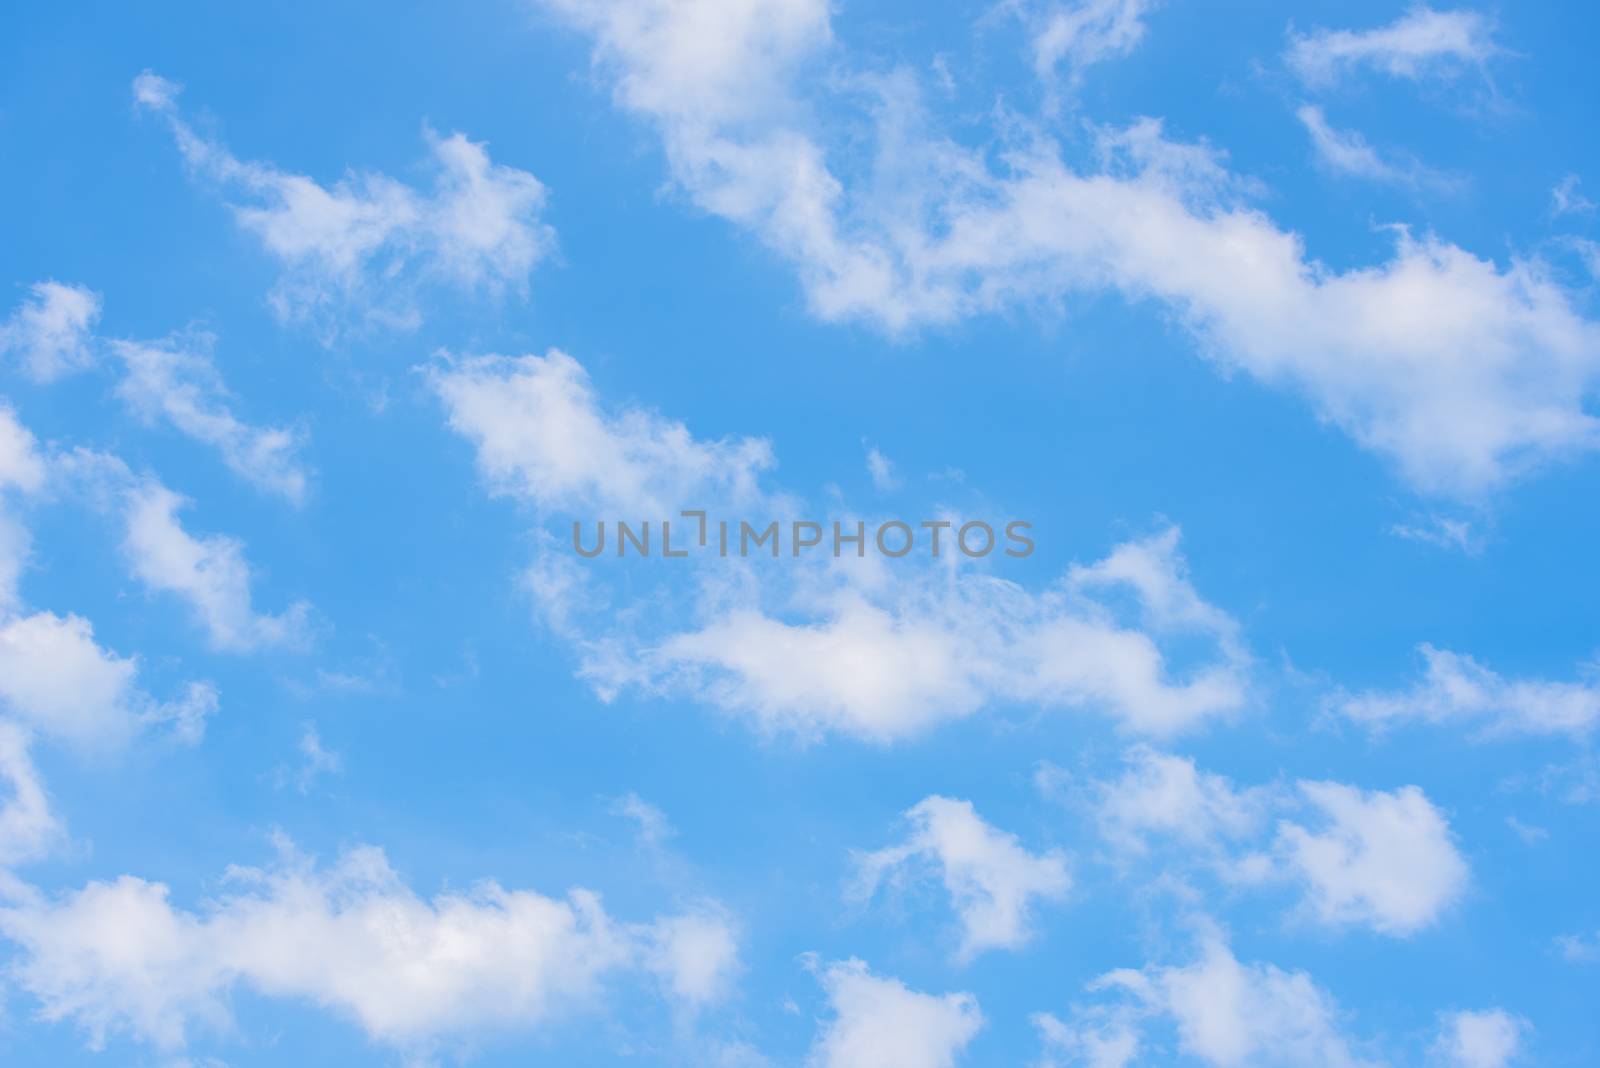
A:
(1441, 532)
(825, 646)
(881, 469)
(1080, 34)
(210, 573)
(118, 957)
(55, 680)
(1458, 689)
(22, 470)
(1346, 152)
(177, 381)
(1384, 859)
(1579, 948)
(993, 882)
(1489, 1038)
(541, 434)
(367, 243)
(1419, 44)
(28, 830)
(653, 826)
(316, 760)
(1462, 372)
(51, 333)
(881, 1023)
(1566, 200)
(1088, 1040)
(695, 955)
(21, 467)
(1162, 794)
(1234, 1015)
(891, 662)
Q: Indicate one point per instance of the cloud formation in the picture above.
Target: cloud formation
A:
(1457, 689)
(1232, 1014)
(176, 381)
(1386, 860)
(879, 1021)
(993, 882)
(210, 573)
(839, 646)
(51, 333)
(119, 957)
(1421, 43)
(362, 248)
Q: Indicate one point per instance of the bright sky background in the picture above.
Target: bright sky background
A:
(320, 324)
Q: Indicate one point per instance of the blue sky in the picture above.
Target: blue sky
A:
(322, 324)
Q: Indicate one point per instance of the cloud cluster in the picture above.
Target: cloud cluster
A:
(1461, 371)
(174, 380)
(1386, 860)
(119, 957)
(55, 679)
(826, 646)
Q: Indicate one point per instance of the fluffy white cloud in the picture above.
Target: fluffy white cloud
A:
(542, 434)
(1458, 689)
(1421, 43)
(55, 680)
(695, 955)
(1162, 794)
(993, 882)
(1489, 1038)
(51, 333)
(885, 662)
(1459, 370)
(367, 242)
(881, 1023)
(1235, 1015)
(210, 573)
(1385, 859)
(119, 957)
(176, 380)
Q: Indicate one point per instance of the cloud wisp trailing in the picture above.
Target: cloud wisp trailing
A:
(359, 252)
